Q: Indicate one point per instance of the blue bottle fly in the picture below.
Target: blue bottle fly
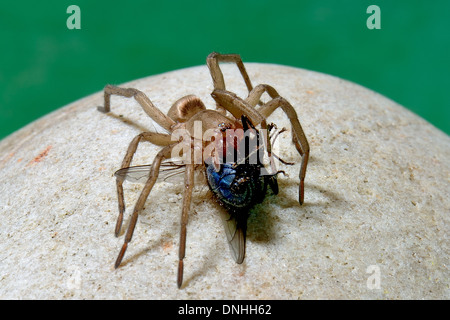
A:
(238, 186)
(237, 189)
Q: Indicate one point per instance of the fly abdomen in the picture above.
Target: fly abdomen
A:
(236, 187)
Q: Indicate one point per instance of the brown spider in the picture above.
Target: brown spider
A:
(227, 179)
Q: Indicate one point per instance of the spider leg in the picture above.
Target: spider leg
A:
(239, 107)
(159, 139)
(298, 136)
(146, 104)
(189, 185)
(213, 60)
(162, 154)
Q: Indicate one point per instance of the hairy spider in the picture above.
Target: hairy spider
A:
(233, 167)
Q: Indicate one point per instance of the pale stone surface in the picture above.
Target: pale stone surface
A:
(377, 192)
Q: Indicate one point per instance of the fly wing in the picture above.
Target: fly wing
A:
(235, 230)
(140, 174)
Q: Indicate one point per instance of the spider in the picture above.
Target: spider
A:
(236, 183)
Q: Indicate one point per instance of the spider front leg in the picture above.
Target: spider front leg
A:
(298, 136)
(165, 153)
(213, 61)
(238, 108)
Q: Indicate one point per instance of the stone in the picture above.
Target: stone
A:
(374, 224)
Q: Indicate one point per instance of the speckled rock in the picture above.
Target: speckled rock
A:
(374, 224)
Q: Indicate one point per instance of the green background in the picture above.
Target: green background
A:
(44, 65)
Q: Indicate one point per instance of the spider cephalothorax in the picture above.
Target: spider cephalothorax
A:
(238, 181)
